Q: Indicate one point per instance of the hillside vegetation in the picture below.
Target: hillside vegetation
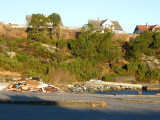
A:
(90, 55)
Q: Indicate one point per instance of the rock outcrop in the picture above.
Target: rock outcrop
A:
(10, 54)
(152, 62)
(93, 86)
(50, 48)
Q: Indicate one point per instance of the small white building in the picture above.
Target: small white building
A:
(102, 24)
(29, 18)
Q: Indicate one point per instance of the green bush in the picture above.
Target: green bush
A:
(37, 35)
(150, 51)
(142, 44)
(59, 57)
(2, 38)
(61, 43)
(153, 75)
(37, 47)
(138, 69)
(109, 77)
(120, 71)
(83, 68)
(96, 46)
(21, 57)
(10, 63)
(34, 46)
(12, 44)
(132, 67)
(20, 40)
(142, 72)
(156, 42)
(41, 49)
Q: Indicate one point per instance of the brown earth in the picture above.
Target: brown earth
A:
(4, 73)
(2, 29)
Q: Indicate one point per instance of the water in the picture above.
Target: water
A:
(129, 92)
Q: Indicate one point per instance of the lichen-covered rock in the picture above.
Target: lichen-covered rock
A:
(50, 48)
(10, 54)
(152, 62)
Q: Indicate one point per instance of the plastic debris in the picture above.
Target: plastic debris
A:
(32, 84)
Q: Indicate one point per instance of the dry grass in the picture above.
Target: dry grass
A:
(14, 33)
(2, 29)
(125, 37)
(69, 34)
(61, 76)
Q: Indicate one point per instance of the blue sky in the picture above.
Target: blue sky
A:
(129, 13)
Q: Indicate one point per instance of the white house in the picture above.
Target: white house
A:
(28, 20)
(102, 24)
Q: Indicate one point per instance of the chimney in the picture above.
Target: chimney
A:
(98, 18)
(146, 24)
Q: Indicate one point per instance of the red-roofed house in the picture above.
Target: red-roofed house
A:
(140, 28)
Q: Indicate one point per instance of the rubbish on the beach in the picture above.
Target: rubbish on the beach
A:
(139, 92)
(32, 85)
(95, 80)
(158, 94)
(33, 82)
(17, 86)
(42, 86)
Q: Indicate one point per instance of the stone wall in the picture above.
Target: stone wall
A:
(94, 86)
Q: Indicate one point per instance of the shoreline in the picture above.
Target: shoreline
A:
(118, 106)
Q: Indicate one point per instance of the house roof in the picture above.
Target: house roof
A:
(29, 17)
(145, 27)
(117, 25)
(97, 24)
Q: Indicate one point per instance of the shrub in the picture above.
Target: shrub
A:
(156, 42)
(33, 46)
(142, 72)
(41, 49)
(150, 51)
(120, 71)
(96, 46)
(10, 64)
(61, 44)
(109, 77)
(153, 75)
(61, 76)
(37, 47)
(132, 67)
(37, 35)
(59, 57)
(83, 68)
(2, 29)
(11, 43)
(15, 33)
(21, 57)
(142, 44)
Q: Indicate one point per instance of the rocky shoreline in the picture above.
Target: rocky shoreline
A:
(92, 87)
